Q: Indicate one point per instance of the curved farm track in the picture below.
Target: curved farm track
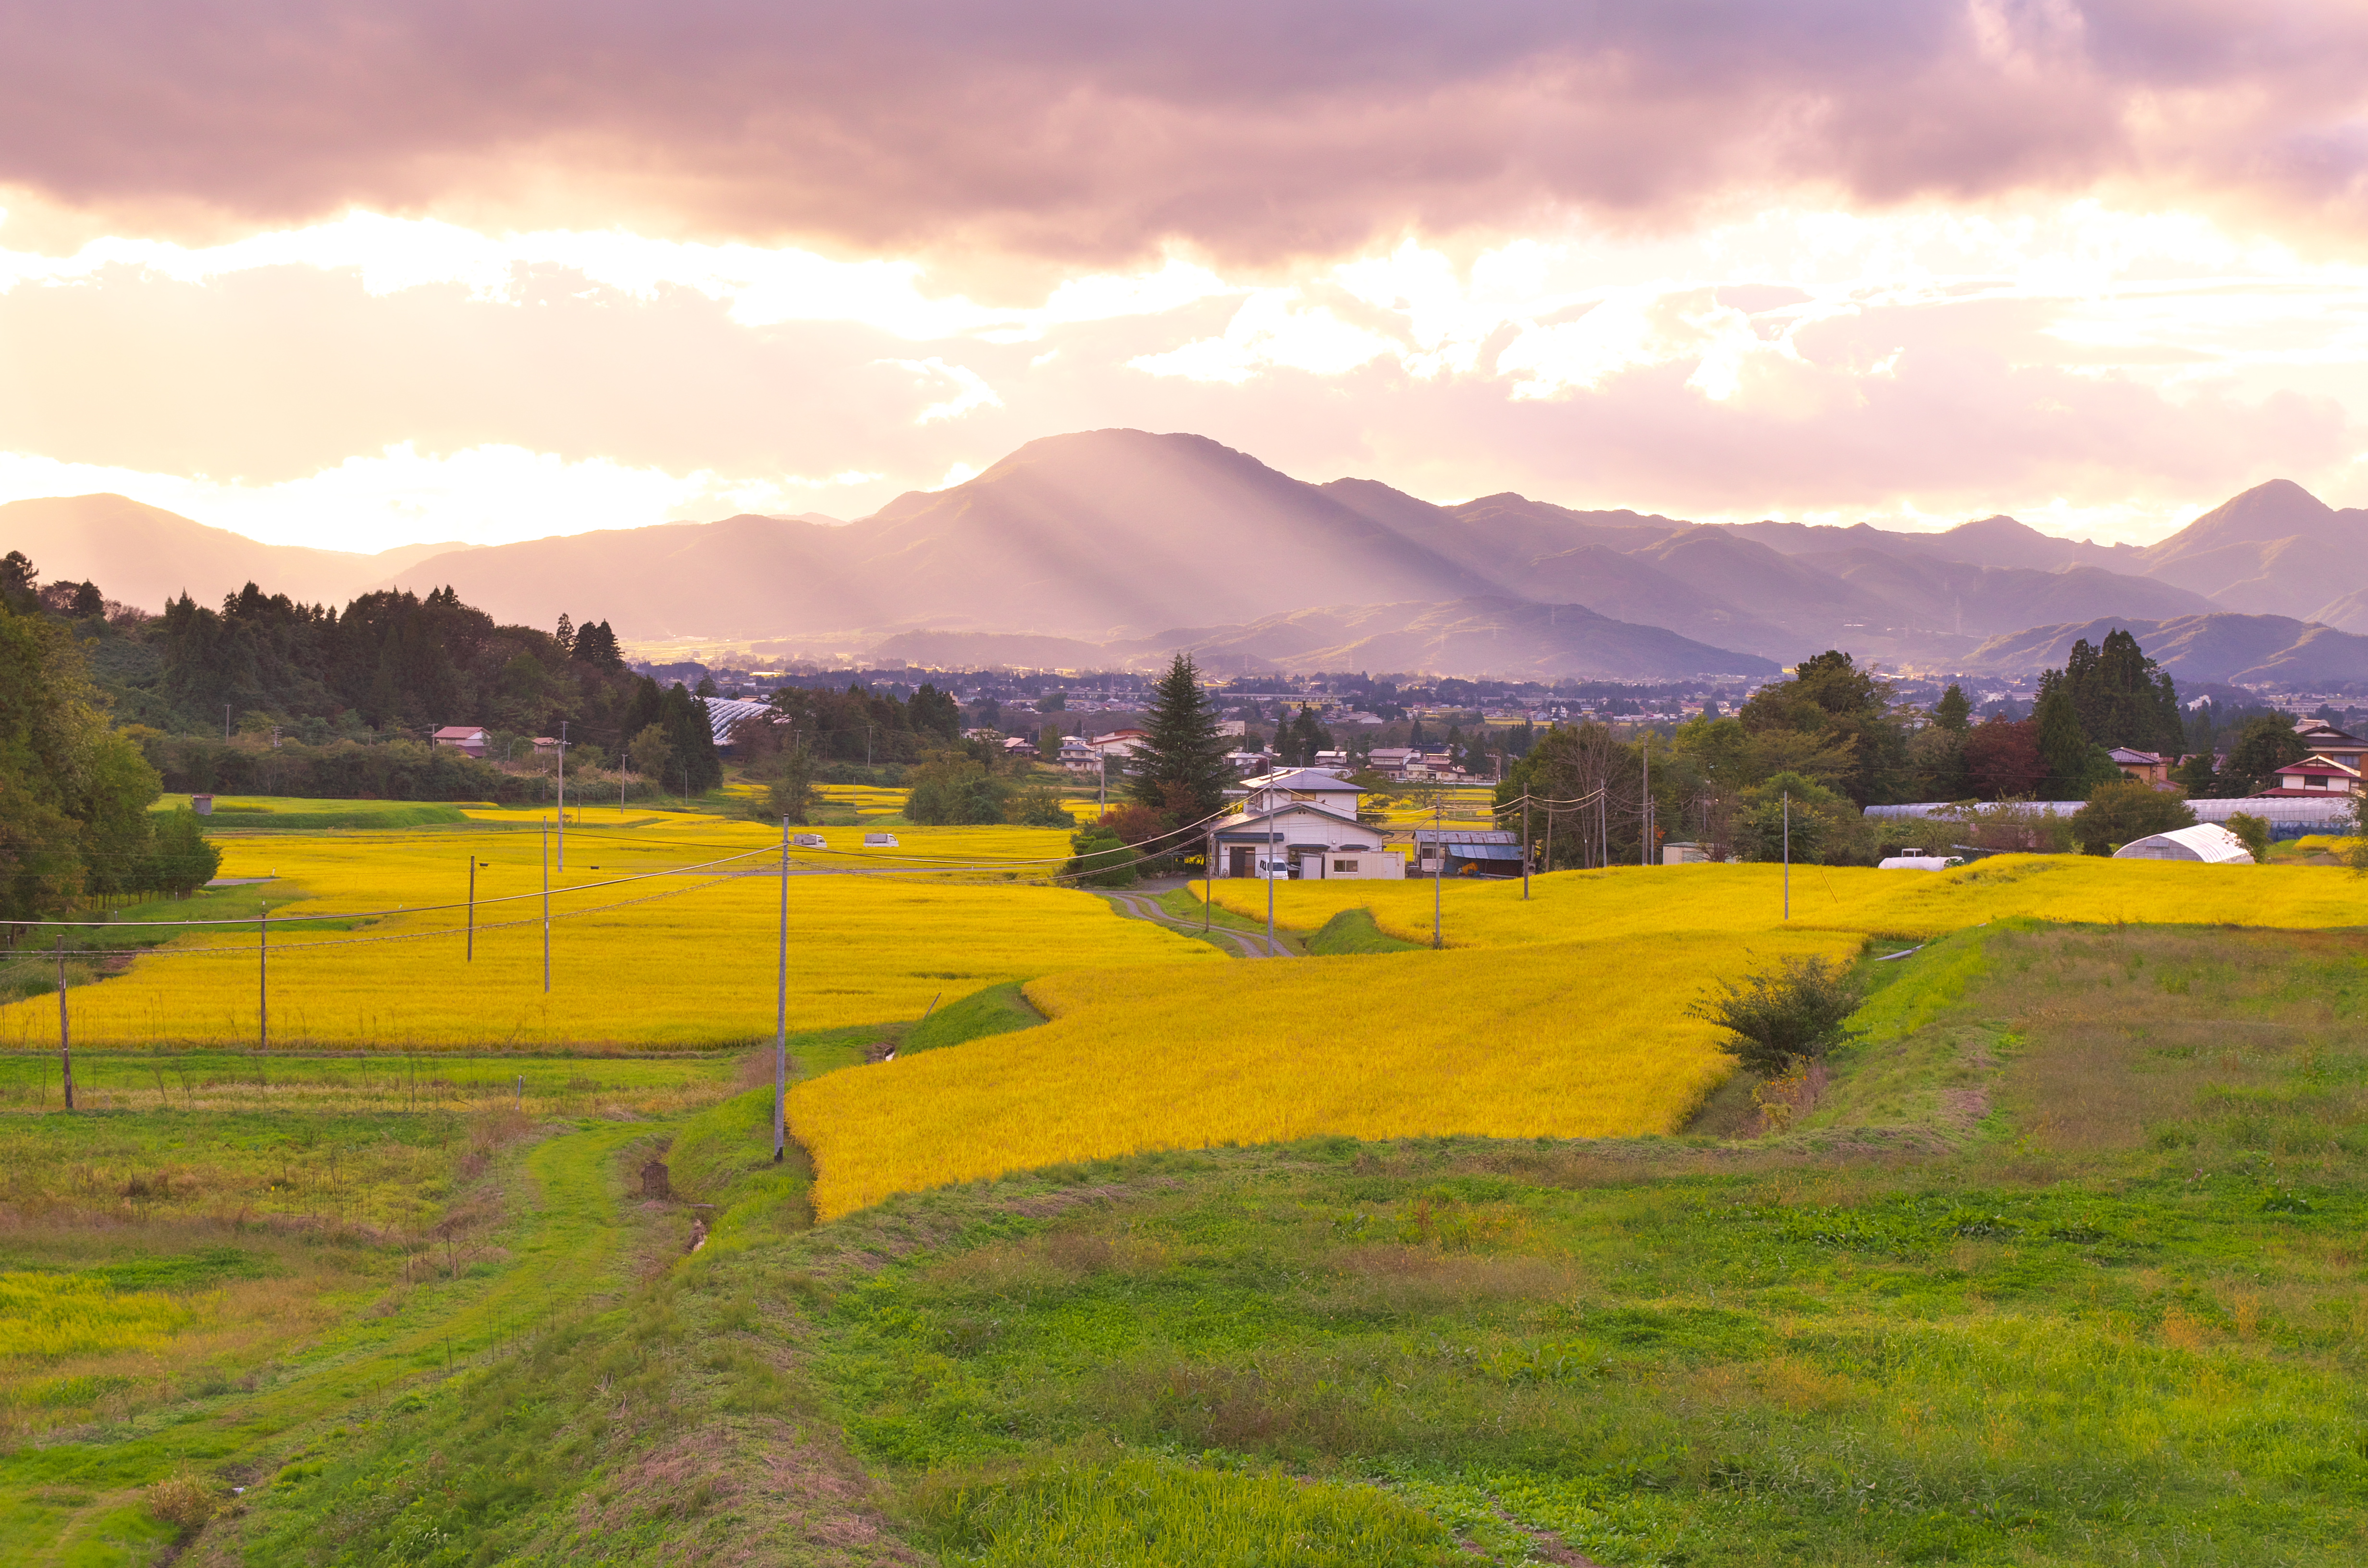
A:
(1241, 944)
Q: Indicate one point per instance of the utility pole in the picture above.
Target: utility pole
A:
(1644, 811)
(1525, 845)
(562, 817)
(782, 1011)
(1271, 836)
(1438, 867)
(1788, 854)
(546, 909)
(1208, 878)
(471, 956)
(263, 977)
(65, 1040)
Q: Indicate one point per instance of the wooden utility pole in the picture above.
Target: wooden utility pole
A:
(1525, 845)
(65, 1040)
(263, 977)
(782, 1011)
(1439, 869)
(471, 956)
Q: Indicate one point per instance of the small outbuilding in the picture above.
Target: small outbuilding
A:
(2207, 842)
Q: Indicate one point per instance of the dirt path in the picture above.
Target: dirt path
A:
(1243, 944)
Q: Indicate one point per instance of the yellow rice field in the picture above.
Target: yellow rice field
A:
(695, 969)
(1637, 901)
(1572, 1040)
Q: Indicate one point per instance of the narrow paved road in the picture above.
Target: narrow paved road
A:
(1246, 944)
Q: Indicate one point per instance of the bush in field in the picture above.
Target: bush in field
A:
(1038, 806)
(1781, 1017)
(184, 1501)
(950, 788)
(2252, 831)
(2125, 811)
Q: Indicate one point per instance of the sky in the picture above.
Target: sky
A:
(360, 276)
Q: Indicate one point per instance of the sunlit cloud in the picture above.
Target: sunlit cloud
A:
(970, 391)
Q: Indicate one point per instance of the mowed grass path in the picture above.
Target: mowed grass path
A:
(684, 958)
(79, 1501)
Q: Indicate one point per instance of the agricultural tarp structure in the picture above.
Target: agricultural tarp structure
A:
(2208, 842)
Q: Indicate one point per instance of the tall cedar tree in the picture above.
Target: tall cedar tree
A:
(2063, 745)
(2123, 697)
(1181, 767)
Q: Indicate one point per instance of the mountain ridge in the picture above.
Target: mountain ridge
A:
(1106, 538)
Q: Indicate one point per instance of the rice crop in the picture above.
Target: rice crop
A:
(48, 1317)
(1580, 1040)
(1648, 901)
(689, 964)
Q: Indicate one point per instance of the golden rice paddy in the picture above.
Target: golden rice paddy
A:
(684, 958)
(1580, 1039)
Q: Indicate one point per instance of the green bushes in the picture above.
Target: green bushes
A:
(1793, 1013)
(2126, 810)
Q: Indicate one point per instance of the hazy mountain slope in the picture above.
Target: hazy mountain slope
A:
(2348, 613)
(2275, 549)
(1078, 532)
(1527, 529)
(743, 576)
(988, 650)
(1777, 589)
(2221, 646)
(1627, 587)
(144, 555)
(1954, 595)
(1484, 635)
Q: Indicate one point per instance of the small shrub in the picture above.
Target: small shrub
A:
(1793, 1013)
(2253, 832)
(184, 1501)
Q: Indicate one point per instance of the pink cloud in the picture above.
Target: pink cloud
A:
(1079, 129)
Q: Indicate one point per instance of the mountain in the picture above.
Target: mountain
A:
(2234, 649)
(144, 555)
(1112, 539)
(1485, 635)
(1090, 535)
(2276, 549)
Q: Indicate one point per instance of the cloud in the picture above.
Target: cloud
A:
(1081, 130)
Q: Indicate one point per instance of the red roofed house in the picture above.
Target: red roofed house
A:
(2316, 776)
(470, 738)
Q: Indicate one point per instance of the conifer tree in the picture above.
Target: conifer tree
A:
(1180, 766)
(1954, 711)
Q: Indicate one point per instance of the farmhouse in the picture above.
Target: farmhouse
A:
(2329, 743)
(2316, 776)
(2145, 766)
(1301, 823)
(468, 738)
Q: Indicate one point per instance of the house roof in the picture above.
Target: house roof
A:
(2318, 766)
(1455, 836)
(1303, 779)
(462, 732)
(2128, 757)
